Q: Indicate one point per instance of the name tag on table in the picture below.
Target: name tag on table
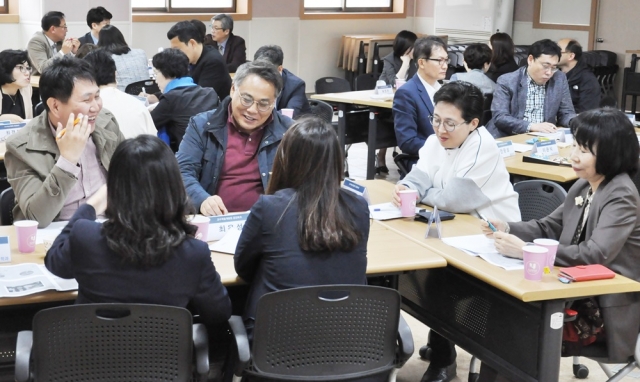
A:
(357, 189)
(384, 90)
(5, 250)
(437, 232)
(545, 148)
(220, 225)
(506, 149)
(566, 136)
(8, 129)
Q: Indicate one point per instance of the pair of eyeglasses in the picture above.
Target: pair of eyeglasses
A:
(25, 69)
(248, 101)
(440, 61)
(217, 28)
(547, 67)
(448, 124)
(63, 26)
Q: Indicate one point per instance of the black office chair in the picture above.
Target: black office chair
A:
(405, 162)
(321, 109)
(135, 88)
(111, 342)
(538, 198)
(38, 109)
(486, 109)
(366, 81)
(7, 202)
(598, 353)
(329, 333)
(332, 85)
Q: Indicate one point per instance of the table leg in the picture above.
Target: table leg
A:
(550, 340)
(342, 125)
(371, 144)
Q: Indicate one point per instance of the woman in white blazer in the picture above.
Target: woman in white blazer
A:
(15, 84)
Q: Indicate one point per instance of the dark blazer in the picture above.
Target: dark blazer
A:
(176, 107)
(187, 278)
(495, 72)
(211, 72)
(612, 238)
(391, 66)
(584, 87)
(86, 39)
(510, 100)
(293, 95)
(411, 110)
(235, 52)
(269, 256)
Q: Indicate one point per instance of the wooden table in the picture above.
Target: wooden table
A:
(361, 98)
(515, 165)
(492, 313)
(35, 81)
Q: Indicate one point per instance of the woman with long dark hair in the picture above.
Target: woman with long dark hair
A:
(306, 230)
(146, 251)
(131, 64)
(502, 59)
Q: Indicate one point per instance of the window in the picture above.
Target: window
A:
(348, 5)
(3, 6)
(184, 6)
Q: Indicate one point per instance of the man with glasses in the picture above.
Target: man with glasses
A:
(583, 84)
(413, 102)
(97, 18)
(460, 170)
(226, 154)
(50, 42)
(231, 47)
(534, 98)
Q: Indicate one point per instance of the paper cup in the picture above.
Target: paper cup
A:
(287, 112)
(535, 259)
(408, 203)
(552, 246)
(202, 222)
(26, 231)
(400, 82)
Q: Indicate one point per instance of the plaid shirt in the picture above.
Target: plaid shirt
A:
(534, 109)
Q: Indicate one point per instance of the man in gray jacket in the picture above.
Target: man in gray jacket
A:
(533, 98)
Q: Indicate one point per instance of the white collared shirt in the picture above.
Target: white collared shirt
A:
(53, 45)
(431, 90)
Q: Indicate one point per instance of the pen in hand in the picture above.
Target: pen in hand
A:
(63, 131)
(491, 226)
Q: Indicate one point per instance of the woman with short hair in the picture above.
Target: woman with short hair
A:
(15, 84)
(131, 64)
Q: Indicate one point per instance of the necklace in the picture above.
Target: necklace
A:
(12, 98)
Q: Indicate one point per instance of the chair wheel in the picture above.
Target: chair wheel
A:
(473, 377)
(425, 352)
(580, 371)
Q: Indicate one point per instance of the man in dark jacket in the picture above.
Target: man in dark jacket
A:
(97, 18)
(181, 98)
(226, 154)
(293, 91)
(583, 84)
(207, 66)
(232, 48)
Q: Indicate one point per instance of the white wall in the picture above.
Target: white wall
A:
(524, 34)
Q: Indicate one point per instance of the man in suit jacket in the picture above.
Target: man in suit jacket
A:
(231, 47)
(583, 84)
(46, 44)
(293, 91)
(96, 19)
(533, 98)
(207, 66)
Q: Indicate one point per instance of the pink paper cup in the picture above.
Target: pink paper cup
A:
(535, 258)
(26, 230)
(552, 246)
(400, 82)
(408, 203)
(287, 112)
(202, 222)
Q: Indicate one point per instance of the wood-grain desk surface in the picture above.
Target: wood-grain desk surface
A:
(510, 282)
(362, 97)
(387, 252)
(516, 166)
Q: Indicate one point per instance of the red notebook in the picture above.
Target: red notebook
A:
(587, 272)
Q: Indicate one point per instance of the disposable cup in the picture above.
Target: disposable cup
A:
(535, 259)
(400, 82)
(408, 203)
(552, 246)
(287, 112)
(26, 230)
(202, 222)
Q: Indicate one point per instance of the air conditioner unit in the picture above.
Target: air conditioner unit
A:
(469, 21)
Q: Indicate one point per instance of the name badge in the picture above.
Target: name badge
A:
(506, 149)
(5, 250)
(566, 136)
(545, 148)
(220, 225)
(384, 90)
(357, 189)
(9, 129)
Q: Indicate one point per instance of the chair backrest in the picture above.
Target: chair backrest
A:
(328, 331)
(135, 88)
(366, 81)
(332, 85)
(538, 198)
(132, 342)
(486, 109)
(321, 109)
(38, 109)
(7, 202)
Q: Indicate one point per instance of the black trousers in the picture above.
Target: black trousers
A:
(443, 351)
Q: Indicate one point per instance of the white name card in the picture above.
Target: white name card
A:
(9, 129)
(545, 148)
(384, 90)
(220, 225)
(5, 250)
(506, 149)
(566, 136)
(357, 189)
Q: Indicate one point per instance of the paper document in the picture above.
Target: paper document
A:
(25, 279)
(386, 211)
(482, 246)
(52, 230)
(228, 243)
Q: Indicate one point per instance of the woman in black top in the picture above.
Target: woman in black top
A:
(502, 60)
(15, 77)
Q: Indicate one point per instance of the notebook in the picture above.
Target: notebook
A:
(587, 272)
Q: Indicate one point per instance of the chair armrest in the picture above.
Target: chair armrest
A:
(405, 342)
(201, 346)
(242, 344)
(23, 355)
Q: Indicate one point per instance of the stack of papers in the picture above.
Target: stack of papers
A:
(25, 279)
(483, 247)
(386, 211)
